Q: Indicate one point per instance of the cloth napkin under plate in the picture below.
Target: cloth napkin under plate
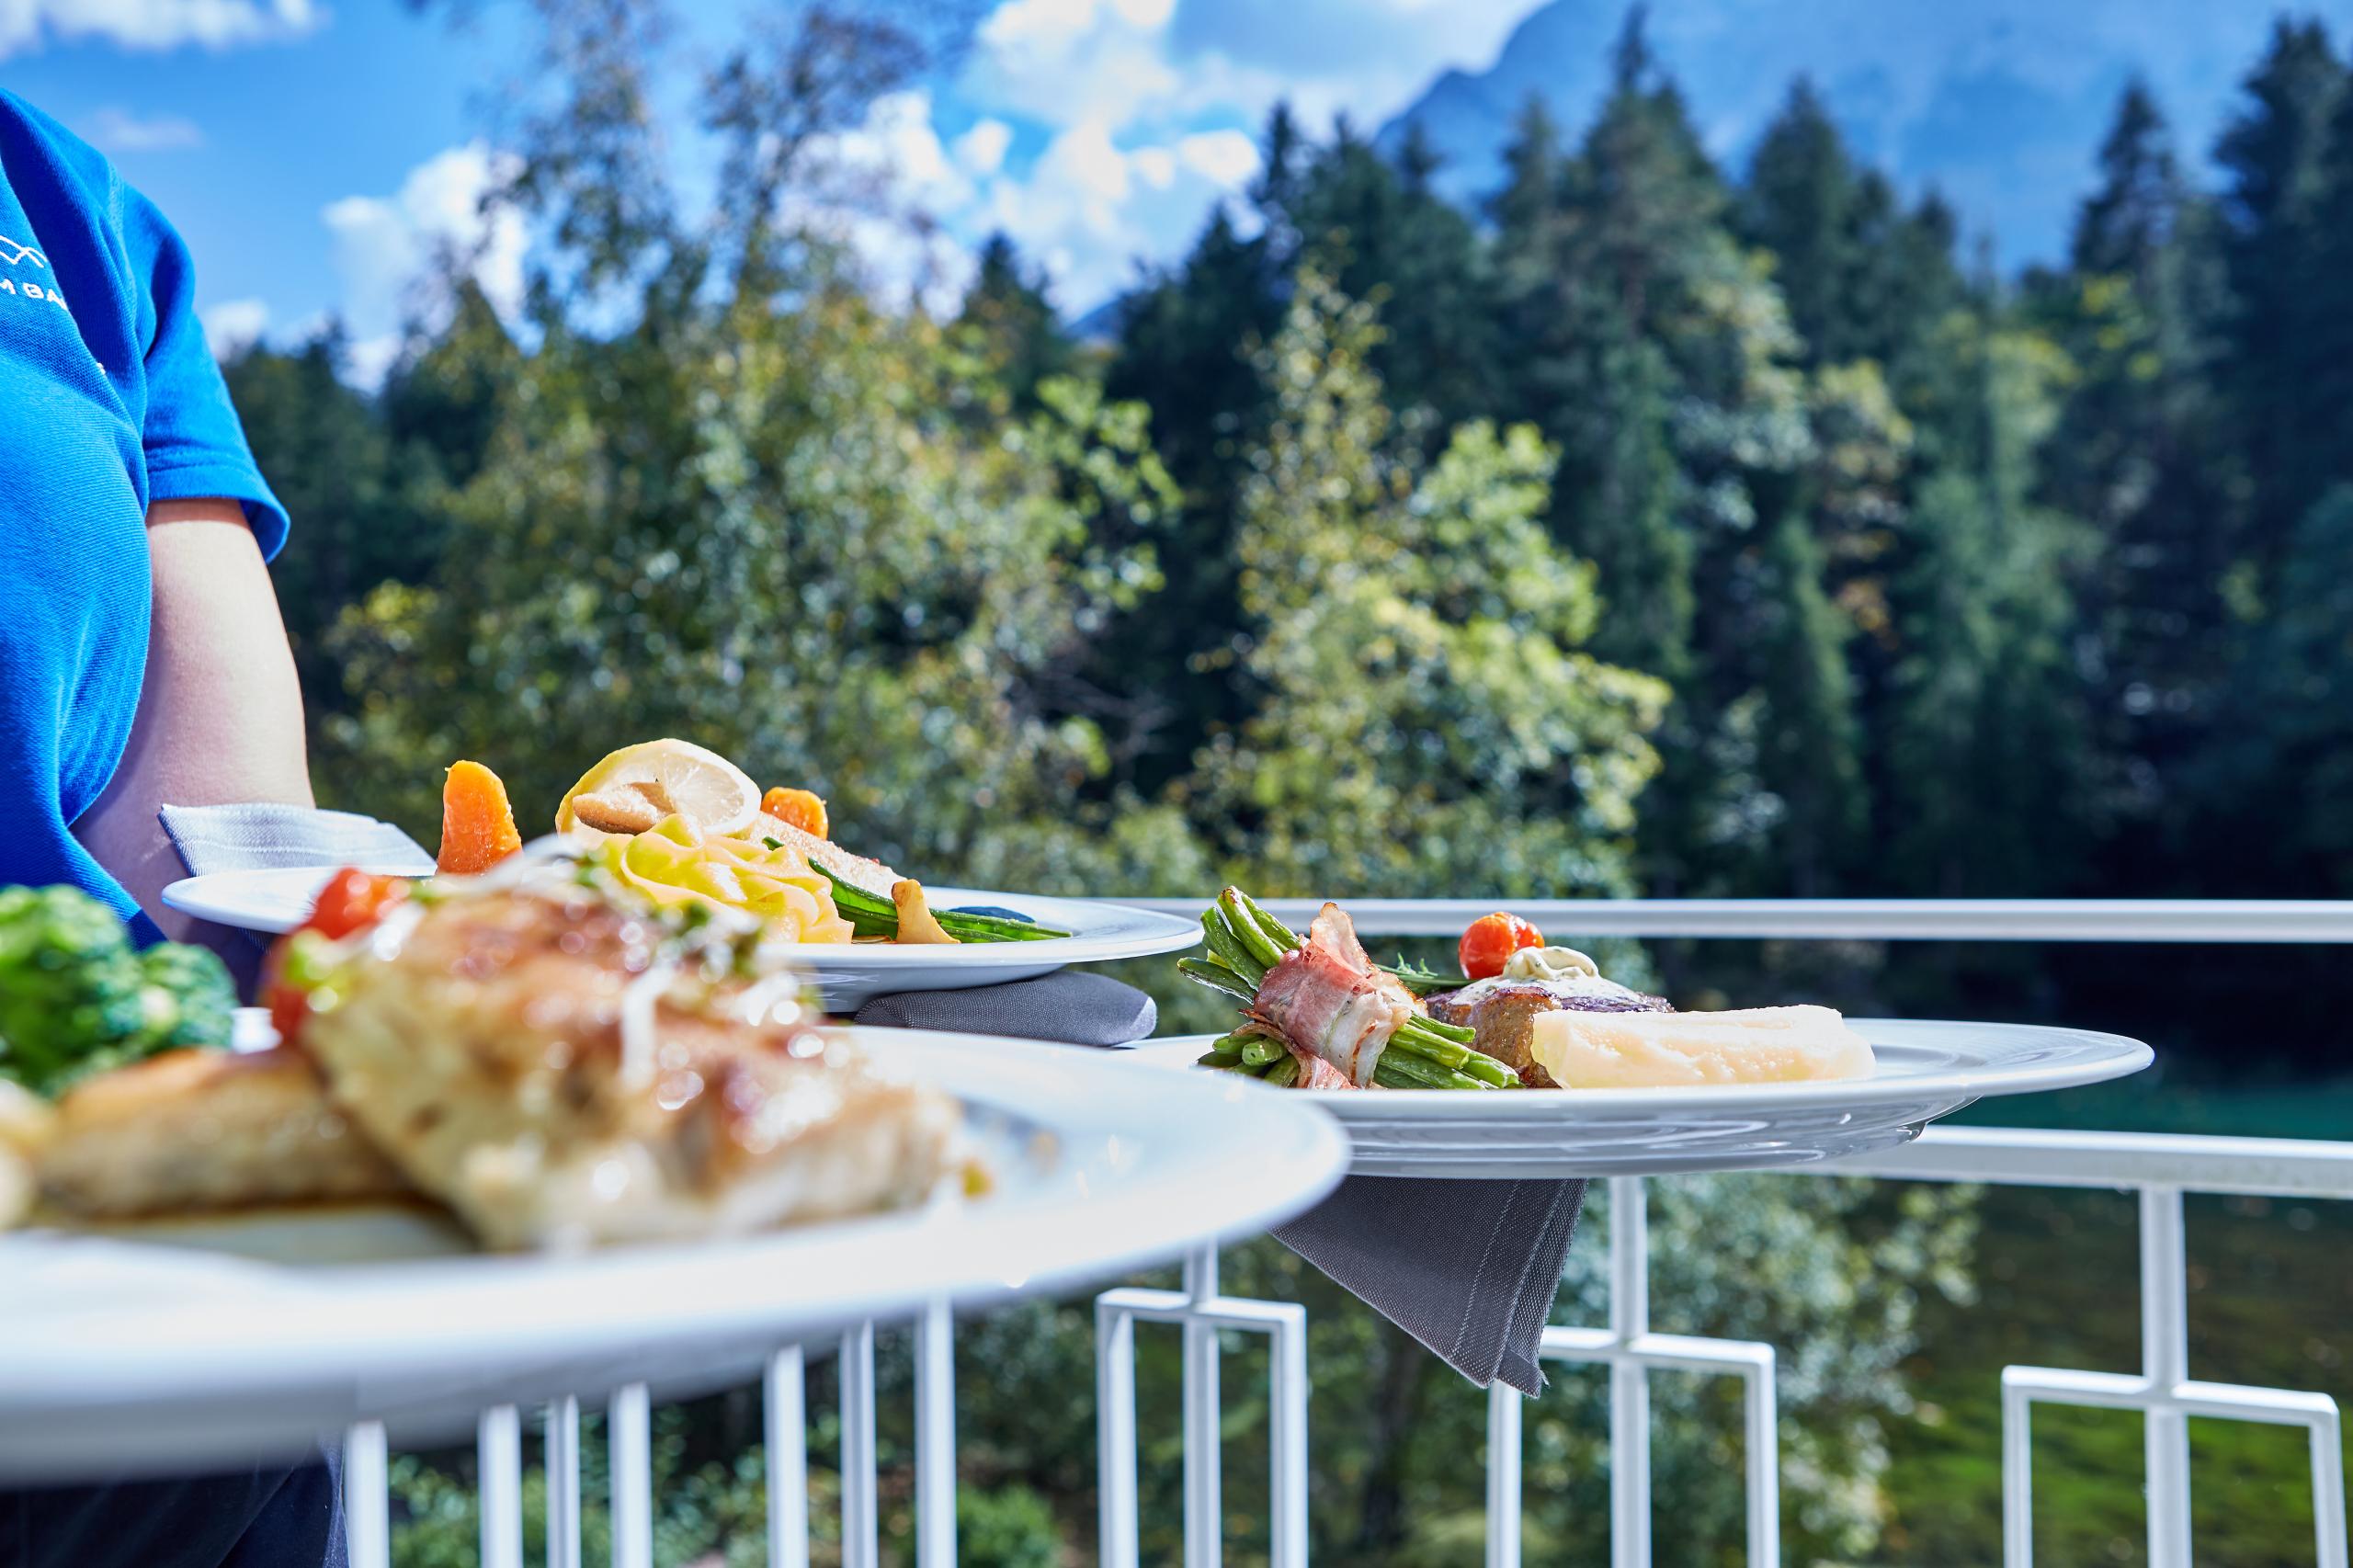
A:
(1070, 1007)
(260, 835)
(1466, 1268)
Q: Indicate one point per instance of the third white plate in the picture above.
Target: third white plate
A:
(1926, 1069)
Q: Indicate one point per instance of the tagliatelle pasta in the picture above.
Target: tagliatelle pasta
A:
(675, 862)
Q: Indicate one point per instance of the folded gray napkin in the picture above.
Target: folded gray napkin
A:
(1070, 1007)
(1466, 1268)
(259, 835)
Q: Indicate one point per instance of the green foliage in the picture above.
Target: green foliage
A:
(1417, 646)
(77, 998)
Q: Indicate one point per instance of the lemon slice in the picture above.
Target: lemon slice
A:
(653, 779)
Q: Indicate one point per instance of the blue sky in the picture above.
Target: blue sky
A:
(312, 152)
(316, 154)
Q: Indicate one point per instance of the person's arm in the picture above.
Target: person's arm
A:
(219, 715)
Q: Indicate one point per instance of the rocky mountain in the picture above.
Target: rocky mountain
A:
(1998, 103)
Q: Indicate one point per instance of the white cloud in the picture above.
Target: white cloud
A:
(120, 131)
(153, 24)
(1144, 103)
(1227, 157)
(1065, 62)
(392, 254)
(981, 149)
(233, 326)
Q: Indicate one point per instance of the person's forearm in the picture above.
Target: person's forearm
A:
(220, 713)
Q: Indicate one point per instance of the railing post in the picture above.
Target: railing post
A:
(2164, 1362)
(1503, 1476)
(560, 1444)
(367, 1526)
(1204, 1528)
(861, 1511)
(1629, 1389)
(629, 1449)
(1115, 1434)
(784, 1415)
(499, 1452)
(935, 1436)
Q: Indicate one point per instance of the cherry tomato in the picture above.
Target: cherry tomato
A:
(288, 1004)
(353, 899)
(1492, 939)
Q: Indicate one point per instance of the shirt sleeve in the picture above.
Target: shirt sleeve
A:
(195, 446)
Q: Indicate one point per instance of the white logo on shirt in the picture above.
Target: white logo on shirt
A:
(11, 253)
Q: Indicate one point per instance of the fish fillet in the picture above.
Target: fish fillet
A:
(530, 1058)
(1653, 1051)
(206, 1130)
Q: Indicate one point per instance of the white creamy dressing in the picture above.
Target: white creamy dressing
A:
(1563, 972)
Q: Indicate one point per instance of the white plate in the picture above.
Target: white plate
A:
(1925, 1070)
(847, 974)
(181, 1348)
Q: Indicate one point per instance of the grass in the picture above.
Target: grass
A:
(2271, 1303)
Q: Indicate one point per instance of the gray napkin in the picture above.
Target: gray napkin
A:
(1076, 1008)
(1466, 1268)
(259, 835)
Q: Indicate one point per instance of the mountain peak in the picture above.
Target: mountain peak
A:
(1999, 104)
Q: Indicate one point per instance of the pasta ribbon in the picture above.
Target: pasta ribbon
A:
(675, 862)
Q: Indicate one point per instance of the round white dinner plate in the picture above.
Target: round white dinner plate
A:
(847, 974)
(1926, 1069)
(182, 1346)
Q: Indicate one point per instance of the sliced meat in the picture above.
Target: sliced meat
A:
(543, 1062)
(1503, 1014)
(205, 1129)
(1324, 998)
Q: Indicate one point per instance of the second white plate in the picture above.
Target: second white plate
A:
(1926, 1069)
(847, 974)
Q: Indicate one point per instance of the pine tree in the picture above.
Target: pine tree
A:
(1019, 335)
(2125, 229)
(2275, 153)
(1383, 236)
(1800, 205)
(2283, 762)
(1808, 752)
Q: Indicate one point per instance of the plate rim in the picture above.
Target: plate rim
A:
(2116, 1056)
(1155, 932)
(1180, 1198)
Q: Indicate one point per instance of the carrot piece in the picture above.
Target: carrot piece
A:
(796, 808)
(477, 825)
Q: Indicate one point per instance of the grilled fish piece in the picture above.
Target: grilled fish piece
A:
(1503, 1014)
(207, 1130)
(561, 1071)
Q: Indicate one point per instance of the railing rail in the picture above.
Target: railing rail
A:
(2235, 921)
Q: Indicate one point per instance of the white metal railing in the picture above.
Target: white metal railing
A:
(2160, 1169)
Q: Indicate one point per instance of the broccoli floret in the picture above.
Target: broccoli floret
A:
(76, 997)
(189, 999)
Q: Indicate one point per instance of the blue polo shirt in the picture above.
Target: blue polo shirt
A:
(110, 400)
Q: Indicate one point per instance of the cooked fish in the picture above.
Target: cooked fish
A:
(203, 1130)
(1502, 1012)
(1754, 1045)
(26, 1121)
(565, 1069)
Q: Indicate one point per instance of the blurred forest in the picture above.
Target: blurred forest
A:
(1660, 527)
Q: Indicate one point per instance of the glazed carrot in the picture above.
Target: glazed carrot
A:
(477, 825)
(796, 808)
